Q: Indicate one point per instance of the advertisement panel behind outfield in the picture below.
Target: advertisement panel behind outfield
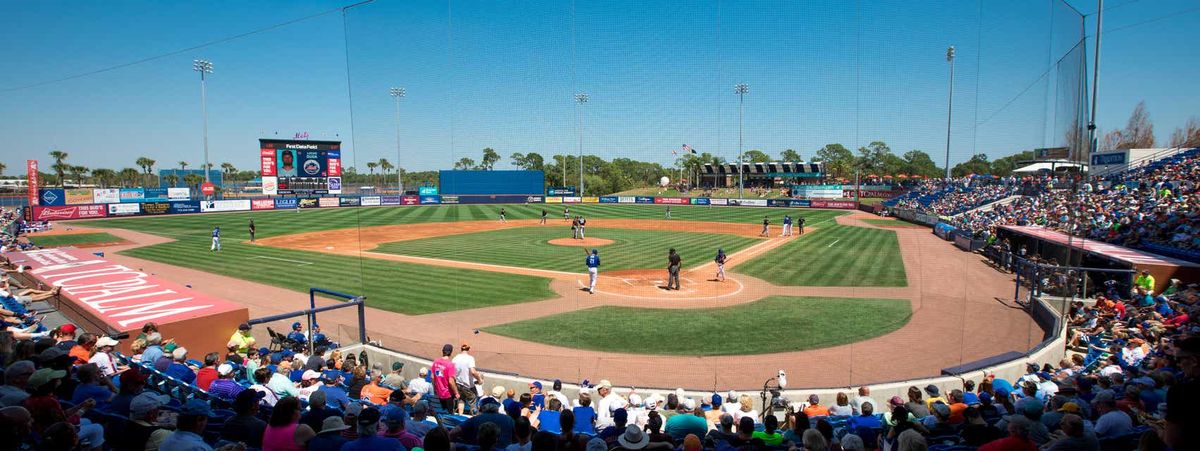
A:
(427, 191)
(282, 203)
(671, 200)
(132, 195)
(626, 200)
(52, 196)
(262, 204)
(609, 199)
(571, 200)
(554, 200)
(748, 202)
(184, 207)
(643, 200)
(179, 193)
(370, 201)
(446, 199)
(591, 200)
(839, 204)
(124, 209)
(327, 202)
(156, 208)
(699, 201)
(308, 202)
(69, 212)
(403, 200)
(430, 200)
(349, 202)
(718, 201)
(155, 195)
(225, 205)
(79, 196)
(106, 195)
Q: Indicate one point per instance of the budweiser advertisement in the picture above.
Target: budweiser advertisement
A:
(64, 212)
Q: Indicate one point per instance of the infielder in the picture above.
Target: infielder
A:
(593, 266)
(582, 227)
(251, 230)
(543, 216)
(216, 239)
(766, 227)
(502, 220)
(787, 226)
(566, 213)
(721, 259)
(668, 212)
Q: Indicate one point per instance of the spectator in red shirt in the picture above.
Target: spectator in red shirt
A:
(205, 376)
(1017, 439)
(443, 379)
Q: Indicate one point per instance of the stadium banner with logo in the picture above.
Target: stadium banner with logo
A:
(626, 200)
(560, 191)
(370, 201)
(494, 199)
(156, 208)
(349, 201)
(699, 201)
(335, 184)
(69, 212)
(404, 200)
(225, 205)
(106, 195)
(52, 197)
(671, 200)
(790, 203)
(395, 200)
(308, 202)
(179, 193)
(262, 204)
(817, 191)
(718, 201)
(571, 199)
(643, 200)
(535, 199)
(554, 200)
(445, 199)
(837, 204)
(155, 195)
(286, 203)
(79, 196)
(609, 199)
(132, 195)
(270, 185)
(849, 193)
(748, 202)
(778, 203)
(31, 178)
(430, 200)
(185, 206)
(124, 209)
(591, 200)
(427, 191)
(327, 202)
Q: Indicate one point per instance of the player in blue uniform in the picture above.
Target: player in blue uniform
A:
(720, 260)
(297, 335)
(593, 266)
(216, 239)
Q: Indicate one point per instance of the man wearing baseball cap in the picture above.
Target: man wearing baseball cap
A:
(242, 338)
(143, 432)
(224, 387)
(466, 377)
(245, 426)
(103, 357)
(368, 438)
(444, 385)
(189, 428)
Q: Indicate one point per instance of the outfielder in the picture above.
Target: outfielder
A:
(252, 230)
(668, 212)
(543, 216)
(502, 220)
(593, 266)
(566, 213)
(216, 239)
(721, 259)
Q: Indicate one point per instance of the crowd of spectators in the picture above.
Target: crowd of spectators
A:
(958, 195)
(12, 226)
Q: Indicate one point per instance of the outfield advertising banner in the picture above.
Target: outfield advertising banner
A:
(69, 212)
(132, 195)
(156, 208)
(124, 209)
(327, 202)
(106, 195)
(79, 196)
(718, 201)
(699, 201)
(155, 195)
(839, 204)
(225, 205)
(185, 206)
(591, 200)
(626, 200)
(349, 202)
(849, 193)
(609, 199)
(748, 202)
(395, 200)
(535, 199)
(446, 199)
(644, 200)
(262, 204)
(671, 200)
(404, 200)
(792, 203)
(430, 200)
(285, 203)
(554, 200)
(308, 202)
(427, 191)
(369, 201)
(52, 197)
(572, 200)
(179, 193)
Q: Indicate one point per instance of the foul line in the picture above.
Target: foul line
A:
(834, 242)
(298, 262)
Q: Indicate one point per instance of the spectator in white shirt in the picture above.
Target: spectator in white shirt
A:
(104, 359)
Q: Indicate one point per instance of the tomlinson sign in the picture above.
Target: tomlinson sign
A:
(122, 297)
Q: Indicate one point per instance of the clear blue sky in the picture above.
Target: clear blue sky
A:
(501, 74)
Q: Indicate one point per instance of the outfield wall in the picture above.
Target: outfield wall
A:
(126, 206)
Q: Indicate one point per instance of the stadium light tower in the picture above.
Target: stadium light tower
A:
(741, 89)
(580, 99)
(204, 67)
(949, 107)
(398, 93)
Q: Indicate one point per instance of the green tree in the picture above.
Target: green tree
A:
(2, 168)
(78, 172)
(917, 162)
(371, 165)
(193, 180)
(790, 156)
(229, 171)
(489, 160)
(978, 164)
(385, 166)
(172, 180)
(838, 160)
(147, 165)
(60, 168)
(531, 161)
(129, 177)
(183, 165)
(873, 158)
(465, 164)
(1004, 166)
(104, 177)
(756, 156)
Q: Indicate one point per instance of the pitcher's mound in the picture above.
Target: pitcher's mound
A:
(586, 242)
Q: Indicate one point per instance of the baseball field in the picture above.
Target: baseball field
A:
(462, 258)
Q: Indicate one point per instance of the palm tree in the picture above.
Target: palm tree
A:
(229, 171)
(385, 166)
(59, 167)
(129, 176)
(193, 180)
(147, 165)
(2, 168)
(171, 180)
(371, 165)
(103, 176)
(183, 165)
(78, 172)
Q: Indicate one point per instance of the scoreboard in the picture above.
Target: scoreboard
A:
(300, 166)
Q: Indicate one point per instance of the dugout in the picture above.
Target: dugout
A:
(474, 187)
(1052, 245)
(760, 175)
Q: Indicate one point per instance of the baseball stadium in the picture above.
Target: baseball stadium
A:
(637, 258)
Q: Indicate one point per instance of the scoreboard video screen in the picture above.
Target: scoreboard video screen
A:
(300, 166)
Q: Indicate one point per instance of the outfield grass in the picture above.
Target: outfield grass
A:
(283, 222)
(773, 324)
(835, 255)
(74, 239)
(527, 247)
(891, 223)
(395, 286)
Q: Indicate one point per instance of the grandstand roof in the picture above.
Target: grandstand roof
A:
(1049, 166)
(1125, 254)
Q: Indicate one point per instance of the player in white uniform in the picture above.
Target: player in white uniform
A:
(593, 266)
(216, 240)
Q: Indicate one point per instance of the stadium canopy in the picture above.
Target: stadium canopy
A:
(1049, 166)
(772, 169)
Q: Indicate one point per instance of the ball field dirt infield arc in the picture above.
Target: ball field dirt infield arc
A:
(584, 242)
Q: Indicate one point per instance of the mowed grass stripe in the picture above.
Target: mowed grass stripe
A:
(527, 247)
(810, 324)
(394, 286)
(834, 255)
(73, 239)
